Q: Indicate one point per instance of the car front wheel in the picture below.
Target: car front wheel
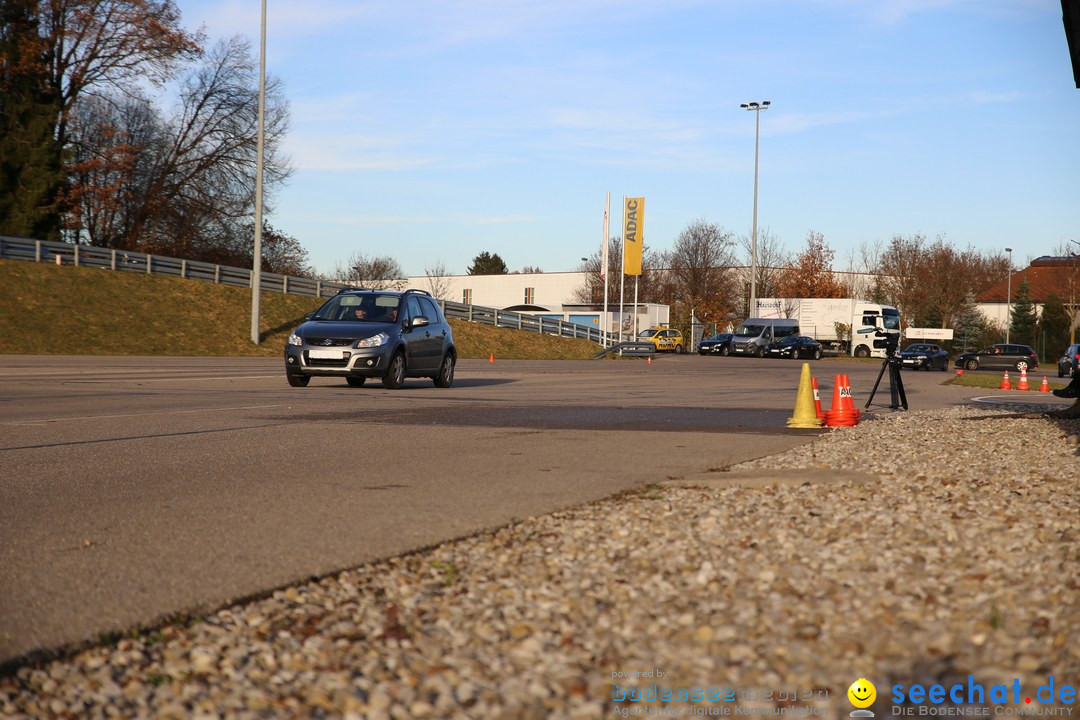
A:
(297, 380)
(395, 374)
(817, 353)
(972, 364)
(862, 352)
(355, 381)
(678, 349)
(725, 351)
(445, 378)
(1021, 365)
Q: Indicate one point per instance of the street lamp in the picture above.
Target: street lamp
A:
(256, 266)
(1008, 299)
(756, 107)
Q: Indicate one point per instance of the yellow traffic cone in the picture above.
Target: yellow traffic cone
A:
(805, 415)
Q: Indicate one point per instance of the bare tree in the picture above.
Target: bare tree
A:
(182, 185)
(862, 263)
(772, 257)
(377, 273)
(438, 280)
(111, 47)
(650, 284)
(700, 263)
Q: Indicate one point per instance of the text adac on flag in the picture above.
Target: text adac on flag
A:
(633, 234)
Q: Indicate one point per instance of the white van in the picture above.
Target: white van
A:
(755, 334)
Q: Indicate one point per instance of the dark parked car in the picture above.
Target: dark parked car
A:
(1000, 357)
(922, 356)
(794, 346)
(718, 344)
(359, 334)
(1069, 361)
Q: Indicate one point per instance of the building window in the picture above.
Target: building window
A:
(530, 296)
(466, 296)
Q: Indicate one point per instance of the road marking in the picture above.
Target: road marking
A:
(121, 415)
(1040, 399)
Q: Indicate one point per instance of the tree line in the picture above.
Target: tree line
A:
(933, 282)
(90, 153)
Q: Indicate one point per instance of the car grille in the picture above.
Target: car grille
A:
(329, 342)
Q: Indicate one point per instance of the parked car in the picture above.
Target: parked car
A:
(1000, 357)
(718, 344)
(922, 356)
(358, 334)
(665, 339)
(1069, 361)
(794, 347)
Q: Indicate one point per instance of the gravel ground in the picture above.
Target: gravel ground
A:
(951, 550)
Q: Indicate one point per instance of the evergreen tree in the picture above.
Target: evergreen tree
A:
(488, 264)
(970, 324)
(1054, 325)
(31, 160)
(1023, 318)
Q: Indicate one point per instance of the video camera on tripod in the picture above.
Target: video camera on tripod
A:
(886, 331)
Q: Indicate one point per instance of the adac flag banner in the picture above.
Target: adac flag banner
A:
(633, 234)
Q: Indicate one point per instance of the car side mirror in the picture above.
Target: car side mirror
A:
(309, 315)
(419, 321)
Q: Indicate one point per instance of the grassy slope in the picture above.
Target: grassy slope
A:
(49, 310)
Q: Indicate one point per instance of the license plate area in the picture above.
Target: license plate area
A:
(327, 354)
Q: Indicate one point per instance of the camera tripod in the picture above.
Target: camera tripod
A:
(893, 363)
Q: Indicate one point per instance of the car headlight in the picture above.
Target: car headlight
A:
(373, 341)
(295, 339)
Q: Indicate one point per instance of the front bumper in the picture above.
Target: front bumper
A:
(339, 362)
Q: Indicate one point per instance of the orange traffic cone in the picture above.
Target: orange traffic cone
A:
(1045, 387)
(1005, 383)
(1023, 384)
(650, 360)
(843, 412)
(491, 358)
(845, 396)
(959, 371)
(817, 399)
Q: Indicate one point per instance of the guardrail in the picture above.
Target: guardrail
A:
(128, 261)
(44, 251)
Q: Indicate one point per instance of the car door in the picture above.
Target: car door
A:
(417, 340)
(438, 328)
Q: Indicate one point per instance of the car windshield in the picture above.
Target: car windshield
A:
(720, 336)
(790, 340)
(359, 308)
(648, 333)
(917, 348)
(749, 330)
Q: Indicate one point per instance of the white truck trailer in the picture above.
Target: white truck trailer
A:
(824, 319)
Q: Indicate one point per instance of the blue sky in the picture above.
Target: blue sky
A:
(432, 131)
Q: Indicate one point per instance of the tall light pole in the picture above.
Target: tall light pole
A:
(1008, 299)
(256, 269)
(756, 107)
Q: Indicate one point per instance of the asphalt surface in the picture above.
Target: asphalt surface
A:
(132, 489)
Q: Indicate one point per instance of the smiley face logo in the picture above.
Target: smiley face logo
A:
(862, 693)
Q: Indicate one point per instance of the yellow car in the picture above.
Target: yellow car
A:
(665, 339)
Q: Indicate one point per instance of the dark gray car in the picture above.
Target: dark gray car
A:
(1000, 357)
(358, 334)
(1069, 361)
